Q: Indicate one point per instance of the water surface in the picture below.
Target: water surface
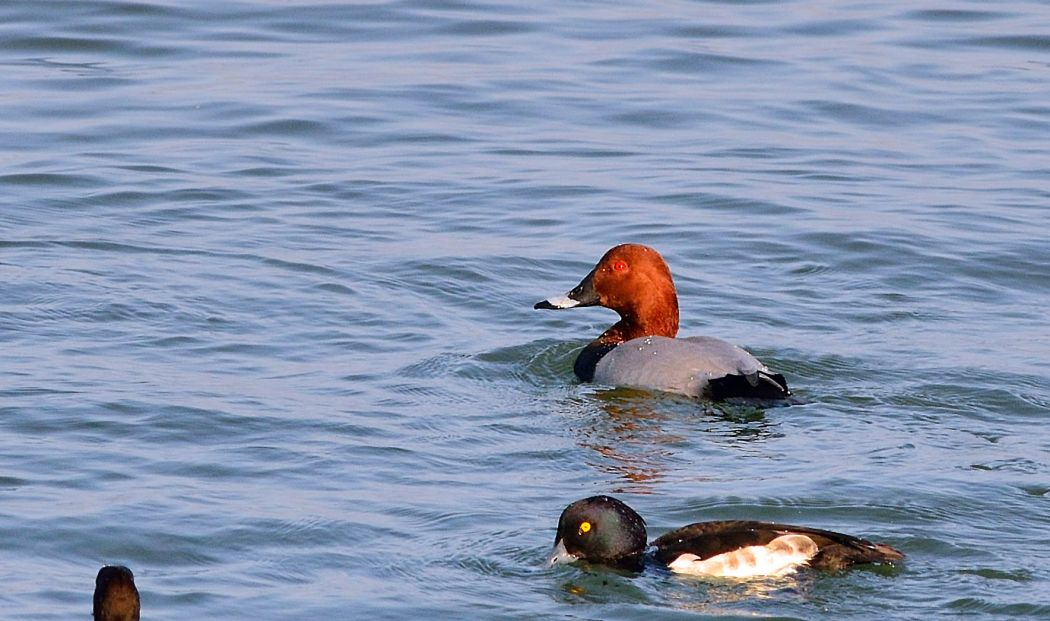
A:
(267, 273)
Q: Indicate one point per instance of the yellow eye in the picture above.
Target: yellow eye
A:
(585, 527)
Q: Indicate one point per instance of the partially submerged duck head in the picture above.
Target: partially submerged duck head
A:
(116, 598)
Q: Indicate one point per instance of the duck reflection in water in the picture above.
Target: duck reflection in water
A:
(636, 437)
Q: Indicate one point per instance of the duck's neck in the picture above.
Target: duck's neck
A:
(644, 320)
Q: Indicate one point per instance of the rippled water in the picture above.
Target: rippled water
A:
(267, 273)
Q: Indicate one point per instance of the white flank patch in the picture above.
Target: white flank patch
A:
(562, 301)
(777, 558)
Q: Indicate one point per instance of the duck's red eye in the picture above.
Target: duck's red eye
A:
(619, 266)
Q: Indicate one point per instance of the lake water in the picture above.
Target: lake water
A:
(267, 273)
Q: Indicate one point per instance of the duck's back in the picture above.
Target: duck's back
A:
(696, 366)
(688, 548)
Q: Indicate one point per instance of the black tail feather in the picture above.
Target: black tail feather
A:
(760, 385)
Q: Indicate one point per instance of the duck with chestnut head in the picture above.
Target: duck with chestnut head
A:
(642, 349)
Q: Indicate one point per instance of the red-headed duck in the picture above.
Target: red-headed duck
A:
(605, 531)
(641, 349)
(116, 598)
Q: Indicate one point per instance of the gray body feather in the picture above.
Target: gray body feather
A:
(683, 365)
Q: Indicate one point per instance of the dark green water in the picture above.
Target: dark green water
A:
(267, 273)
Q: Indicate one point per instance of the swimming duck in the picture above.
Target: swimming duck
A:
(116, 598)
(604, 530)
(641, 350)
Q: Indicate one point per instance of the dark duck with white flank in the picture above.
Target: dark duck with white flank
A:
(641, 350)
(602, 530)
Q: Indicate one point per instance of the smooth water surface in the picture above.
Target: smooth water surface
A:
(267, 273)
